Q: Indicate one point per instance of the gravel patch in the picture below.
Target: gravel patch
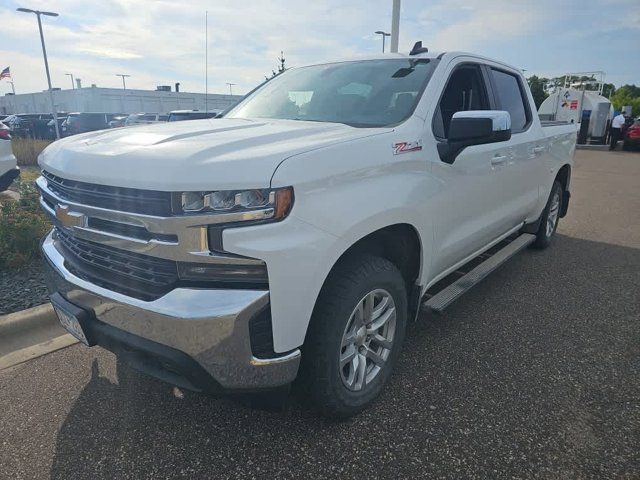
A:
(24, 288)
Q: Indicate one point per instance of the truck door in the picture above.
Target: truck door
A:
(525, 171)
(467, 210)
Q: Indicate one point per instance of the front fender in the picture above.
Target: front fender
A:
(342, 194)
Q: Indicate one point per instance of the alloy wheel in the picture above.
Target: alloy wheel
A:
(554, 210)
(367, 339)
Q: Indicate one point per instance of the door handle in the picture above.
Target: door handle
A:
(538, 149)
(498, 159)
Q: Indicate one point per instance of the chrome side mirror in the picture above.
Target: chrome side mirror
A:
(474, 127)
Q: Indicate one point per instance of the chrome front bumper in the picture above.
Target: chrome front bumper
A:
(209, 326)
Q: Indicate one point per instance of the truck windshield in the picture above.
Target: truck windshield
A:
(368, 93)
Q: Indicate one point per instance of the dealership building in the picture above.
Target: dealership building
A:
(115, 100)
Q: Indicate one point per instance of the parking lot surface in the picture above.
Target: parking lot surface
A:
(533, 374)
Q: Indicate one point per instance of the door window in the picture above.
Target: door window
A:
(465, 90)
(510, 97)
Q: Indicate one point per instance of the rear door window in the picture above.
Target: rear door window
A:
(510, 96)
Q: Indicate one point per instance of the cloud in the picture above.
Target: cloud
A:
(161, 42)
(109, 52)
(470, 24)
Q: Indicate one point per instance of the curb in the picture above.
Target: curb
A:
(30, 334)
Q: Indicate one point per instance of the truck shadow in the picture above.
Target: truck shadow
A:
(519, 363)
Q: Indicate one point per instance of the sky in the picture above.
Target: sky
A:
(160, 42)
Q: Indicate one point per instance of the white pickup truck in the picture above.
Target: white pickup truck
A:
(298, 235)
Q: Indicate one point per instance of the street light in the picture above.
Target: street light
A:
(124, 85)
(73, 85)
(46, 62)
(230, 85)
(384, 35)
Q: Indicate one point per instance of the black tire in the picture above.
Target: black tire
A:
(345, 288)
(626, 146)
(543, 235)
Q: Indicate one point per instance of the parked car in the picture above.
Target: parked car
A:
(10, 121)
(29, 125)
(81, 122)
(632, 136)
(51, 129)
(180, 115)
(145, 118)
(118, 121)
(9, 170)
(308, 223)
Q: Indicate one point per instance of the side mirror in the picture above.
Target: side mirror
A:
(474, 127)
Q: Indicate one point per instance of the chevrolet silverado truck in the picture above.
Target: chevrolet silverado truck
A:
(297, 236)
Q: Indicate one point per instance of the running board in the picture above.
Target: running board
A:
(448, 295)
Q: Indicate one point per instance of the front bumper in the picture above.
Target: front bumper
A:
(195, 338)
(8, 177)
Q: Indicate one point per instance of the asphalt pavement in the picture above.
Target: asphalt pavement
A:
(533, 374)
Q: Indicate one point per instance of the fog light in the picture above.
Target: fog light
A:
(254, 274)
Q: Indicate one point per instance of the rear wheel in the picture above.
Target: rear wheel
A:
(550, 217)
(355, 335)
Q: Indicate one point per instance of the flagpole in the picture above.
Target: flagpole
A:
(206, 61)
(13, 87)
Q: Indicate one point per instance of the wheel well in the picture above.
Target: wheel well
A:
(563, 176)
(400, 244)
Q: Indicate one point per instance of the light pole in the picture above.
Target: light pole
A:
(124, 88)
(73, 85)
(46, 62)
(384, 35)
(230, 85)
(123, 75)
(395, 26)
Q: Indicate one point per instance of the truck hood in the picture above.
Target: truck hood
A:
(192, 155)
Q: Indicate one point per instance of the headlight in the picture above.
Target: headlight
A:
(271, 204)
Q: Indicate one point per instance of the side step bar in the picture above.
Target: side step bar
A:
(448, 295)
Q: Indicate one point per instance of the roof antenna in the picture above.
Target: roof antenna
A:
(418, 48)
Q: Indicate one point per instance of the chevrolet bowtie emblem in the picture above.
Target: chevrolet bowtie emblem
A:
(70, 219)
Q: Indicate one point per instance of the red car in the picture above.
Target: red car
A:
(632, 136)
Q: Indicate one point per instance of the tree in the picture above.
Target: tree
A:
(537, 86)
(627, 95)
(608, 89)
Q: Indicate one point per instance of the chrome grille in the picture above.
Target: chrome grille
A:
(148, 202)
(132, 274)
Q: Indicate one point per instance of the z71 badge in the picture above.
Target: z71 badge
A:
(406, 147)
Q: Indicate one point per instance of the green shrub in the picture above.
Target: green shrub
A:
(22, 225)
(27, 150)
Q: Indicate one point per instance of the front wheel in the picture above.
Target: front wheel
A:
(550, 217)
(355, 335)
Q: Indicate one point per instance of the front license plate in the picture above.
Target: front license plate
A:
(71, 324)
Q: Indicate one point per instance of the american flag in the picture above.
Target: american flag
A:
(5, 73)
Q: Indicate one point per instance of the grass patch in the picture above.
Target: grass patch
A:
(28, 175)
(22, 225)
(27, 150)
